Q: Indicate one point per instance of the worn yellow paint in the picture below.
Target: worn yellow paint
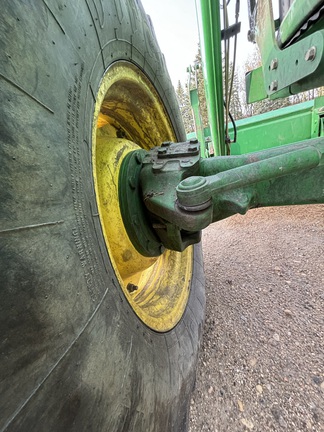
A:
(127, 105)
(110, 153)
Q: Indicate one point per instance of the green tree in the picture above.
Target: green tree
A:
(197, 80)
(185, 108)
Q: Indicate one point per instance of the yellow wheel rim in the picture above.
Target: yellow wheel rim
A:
(128, 110)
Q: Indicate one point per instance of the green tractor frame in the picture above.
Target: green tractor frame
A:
(103, 200)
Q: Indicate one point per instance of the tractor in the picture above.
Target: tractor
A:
(103, 200)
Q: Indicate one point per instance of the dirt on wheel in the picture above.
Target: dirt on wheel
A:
(261, 364)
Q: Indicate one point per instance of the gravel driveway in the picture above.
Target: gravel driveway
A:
(261, 365)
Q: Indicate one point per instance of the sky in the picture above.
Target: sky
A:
(176, 28)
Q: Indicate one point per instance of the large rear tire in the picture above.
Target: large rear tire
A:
(76, 353)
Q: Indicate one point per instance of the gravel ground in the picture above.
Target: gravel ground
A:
(261, 365)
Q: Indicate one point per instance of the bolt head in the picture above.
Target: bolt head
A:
(274, 64)
(251, 36)
(273, 86)
(192, 148)
(310, 54)
(193, 141)
(162, 150)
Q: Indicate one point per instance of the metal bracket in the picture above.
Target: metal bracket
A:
(284, 72)
(163, 169)
(231, 31)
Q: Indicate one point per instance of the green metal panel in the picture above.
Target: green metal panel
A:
(212, 61)
(297, 14)
(254, 82)
(192, 135)
(298, 67)
(304, 60)
(284, 126)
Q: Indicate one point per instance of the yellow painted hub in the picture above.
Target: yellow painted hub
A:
(128, 110)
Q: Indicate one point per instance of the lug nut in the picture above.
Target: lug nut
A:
(131, 287)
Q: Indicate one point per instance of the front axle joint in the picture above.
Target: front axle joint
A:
(169, 194)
